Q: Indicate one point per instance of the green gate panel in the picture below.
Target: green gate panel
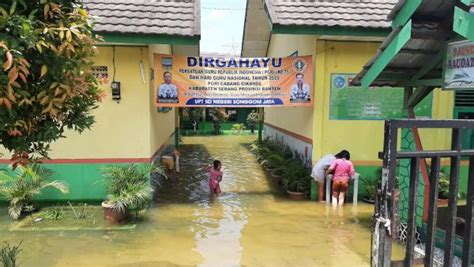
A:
(408, 144)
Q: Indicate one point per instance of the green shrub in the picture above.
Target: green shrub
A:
(21, 188)
(9, 254)
(129, 186)
(296, 177)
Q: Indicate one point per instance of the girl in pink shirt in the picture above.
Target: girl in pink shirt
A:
(215, 176)
(343, 169)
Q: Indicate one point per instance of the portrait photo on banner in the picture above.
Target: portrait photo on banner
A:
(182, 81)
(300, 91)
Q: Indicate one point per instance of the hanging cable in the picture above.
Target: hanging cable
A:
(113, 61)
(225, 8)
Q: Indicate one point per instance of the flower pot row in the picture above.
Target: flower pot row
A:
(277, 179)
(283, 167)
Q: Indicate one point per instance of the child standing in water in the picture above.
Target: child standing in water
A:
(343, 169)
(215, 176)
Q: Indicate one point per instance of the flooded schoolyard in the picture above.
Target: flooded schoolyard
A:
(251, 224)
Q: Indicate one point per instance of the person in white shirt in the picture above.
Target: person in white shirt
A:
(300, 90)
(319, 173)
(167, 92)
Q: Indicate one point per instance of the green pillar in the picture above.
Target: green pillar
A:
(314, 190)
(176, 129)
(260, 124)
(408, 144)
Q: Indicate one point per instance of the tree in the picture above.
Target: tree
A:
(195, 116)
(46, 81)
(218, 117)
(252, 120)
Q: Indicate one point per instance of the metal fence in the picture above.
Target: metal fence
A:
(385, 208)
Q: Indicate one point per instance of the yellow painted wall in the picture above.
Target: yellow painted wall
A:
(131, 128)
(363, 138)
(298, 119)
(122, 129)
(162, 125)
(435, 139)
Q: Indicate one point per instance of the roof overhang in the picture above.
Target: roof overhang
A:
(180, 45)
(259, 27)
(146, 39)
(334, 31)
(412, 55)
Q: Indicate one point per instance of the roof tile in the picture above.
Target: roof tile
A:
(173, 17)
(346, 13)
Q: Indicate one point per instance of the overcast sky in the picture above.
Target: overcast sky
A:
(222, 25)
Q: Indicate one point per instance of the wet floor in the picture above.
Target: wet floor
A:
(250, 224)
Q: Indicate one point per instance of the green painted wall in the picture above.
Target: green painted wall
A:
(84, 180)
(366, 172)
(371, 172)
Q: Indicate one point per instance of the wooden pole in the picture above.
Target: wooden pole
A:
(260, 124)
(176, 129)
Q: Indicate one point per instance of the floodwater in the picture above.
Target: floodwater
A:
(250, 224)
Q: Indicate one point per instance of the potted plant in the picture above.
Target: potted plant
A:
(265, 155)
(24, 185)
(443, 188)
(218, 117)
(195, 116)
(273, 160)
(252, 120)
(238, 128)
(128, 187)
(296, 180)
(370, 186)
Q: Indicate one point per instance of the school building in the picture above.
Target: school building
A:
(342, 37)
(132, 129)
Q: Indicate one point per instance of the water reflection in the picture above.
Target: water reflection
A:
(250, 224)
(218, 221)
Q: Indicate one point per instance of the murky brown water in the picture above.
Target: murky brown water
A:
(250, 224)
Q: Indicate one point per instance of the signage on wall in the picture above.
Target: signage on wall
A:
(232, 82)
(459, 65)
(101, 73)
(354, 103)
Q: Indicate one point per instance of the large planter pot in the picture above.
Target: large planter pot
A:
(368, 200)
(268, 168)
(114, 216)
(443, 201)
(295, 195)
(168, 162)
(275, 178)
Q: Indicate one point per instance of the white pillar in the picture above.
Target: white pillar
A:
(328, 188)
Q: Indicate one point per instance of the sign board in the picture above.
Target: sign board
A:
(376, 103)
(233, 82)
(459, 65)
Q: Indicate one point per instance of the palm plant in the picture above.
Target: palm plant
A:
(252, 120)
(443, 185)
(296, 177)
(129, 186)
(275, 161)
(370, 185)
(23, 185)
(8, 255)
